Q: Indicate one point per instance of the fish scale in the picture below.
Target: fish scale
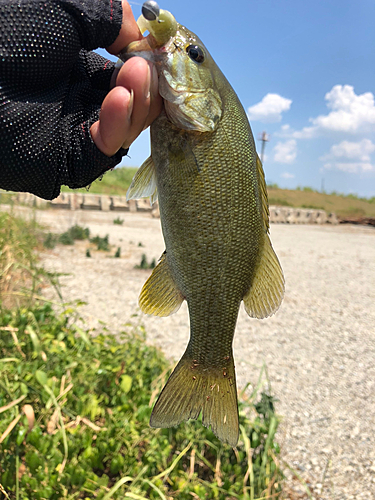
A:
(214, 215)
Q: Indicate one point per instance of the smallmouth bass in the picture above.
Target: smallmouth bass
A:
(212, 195)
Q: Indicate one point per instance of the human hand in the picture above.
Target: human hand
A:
(134, 101)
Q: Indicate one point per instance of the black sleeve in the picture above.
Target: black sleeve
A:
(51, 91)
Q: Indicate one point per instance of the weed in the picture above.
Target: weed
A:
(66, 238)
(88, 253)
(118, 253)
(50, 240)
(75, 412)
(118, 221)
(21, 278)
(73, 233)
(145, 264)
(79, 232)
(101, 243)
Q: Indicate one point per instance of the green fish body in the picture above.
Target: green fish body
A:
(210, 184)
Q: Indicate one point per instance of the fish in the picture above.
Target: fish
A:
(209, 182)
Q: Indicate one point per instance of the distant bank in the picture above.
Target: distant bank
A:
(117, 181)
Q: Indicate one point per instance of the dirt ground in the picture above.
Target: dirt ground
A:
(319, 348)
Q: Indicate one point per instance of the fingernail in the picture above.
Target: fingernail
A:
(148, 83)
(127, 143)
(130, 104)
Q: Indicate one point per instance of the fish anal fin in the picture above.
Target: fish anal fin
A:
(192, 389)
(267, 289)
(160, 295)
(143, 184)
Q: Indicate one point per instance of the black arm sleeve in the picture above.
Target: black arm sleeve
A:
(51, 91)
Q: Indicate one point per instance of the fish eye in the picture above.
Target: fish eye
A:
(195, 53)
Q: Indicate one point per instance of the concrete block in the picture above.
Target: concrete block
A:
(301, 216)
(40, 203)
(272, 211)
(132, 206)
(119, 204)
(91, 202)
(76, 200)
(105, 203)
(144, 205)
(280, 215)
(62, 201)
(155, 212)
(290, 216)
(321, 217)
(332, 218)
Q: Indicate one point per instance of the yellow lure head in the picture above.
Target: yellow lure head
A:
(161, 29)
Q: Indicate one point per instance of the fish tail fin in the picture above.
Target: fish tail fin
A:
(193, 388)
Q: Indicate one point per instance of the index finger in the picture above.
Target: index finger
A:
(129, 31)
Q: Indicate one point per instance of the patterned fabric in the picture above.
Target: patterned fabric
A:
(51, 90)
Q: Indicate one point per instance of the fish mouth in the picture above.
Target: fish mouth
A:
(139, 48)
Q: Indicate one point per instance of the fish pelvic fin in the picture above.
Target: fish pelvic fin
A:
(160, 295)
(143, 184)
(192, 389)
(267, 289)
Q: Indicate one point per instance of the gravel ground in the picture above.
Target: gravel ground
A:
(319, 348)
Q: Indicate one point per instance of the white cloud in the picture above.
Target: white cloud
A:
(285, 152)
(287, 175)
(350, 112)
(351, 168)
(359, 150)
(269, 109)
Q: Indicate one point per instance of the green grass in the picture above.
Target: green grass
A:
(75, 411)
(341, 205)
(21, 276)
(115, 181)
(75, 406)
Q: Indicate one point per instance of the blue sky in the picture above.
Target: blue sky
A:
(305, 72)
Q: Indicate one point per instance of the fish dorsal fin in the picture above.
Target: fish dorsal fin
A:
(160, 295)
(267, 289)
(263, 195)
(143, 184)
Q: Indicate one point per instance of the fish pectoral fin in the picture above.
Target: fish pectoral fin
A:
(193, 388)
(143, 184)
(267, 289)
(160, 295)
